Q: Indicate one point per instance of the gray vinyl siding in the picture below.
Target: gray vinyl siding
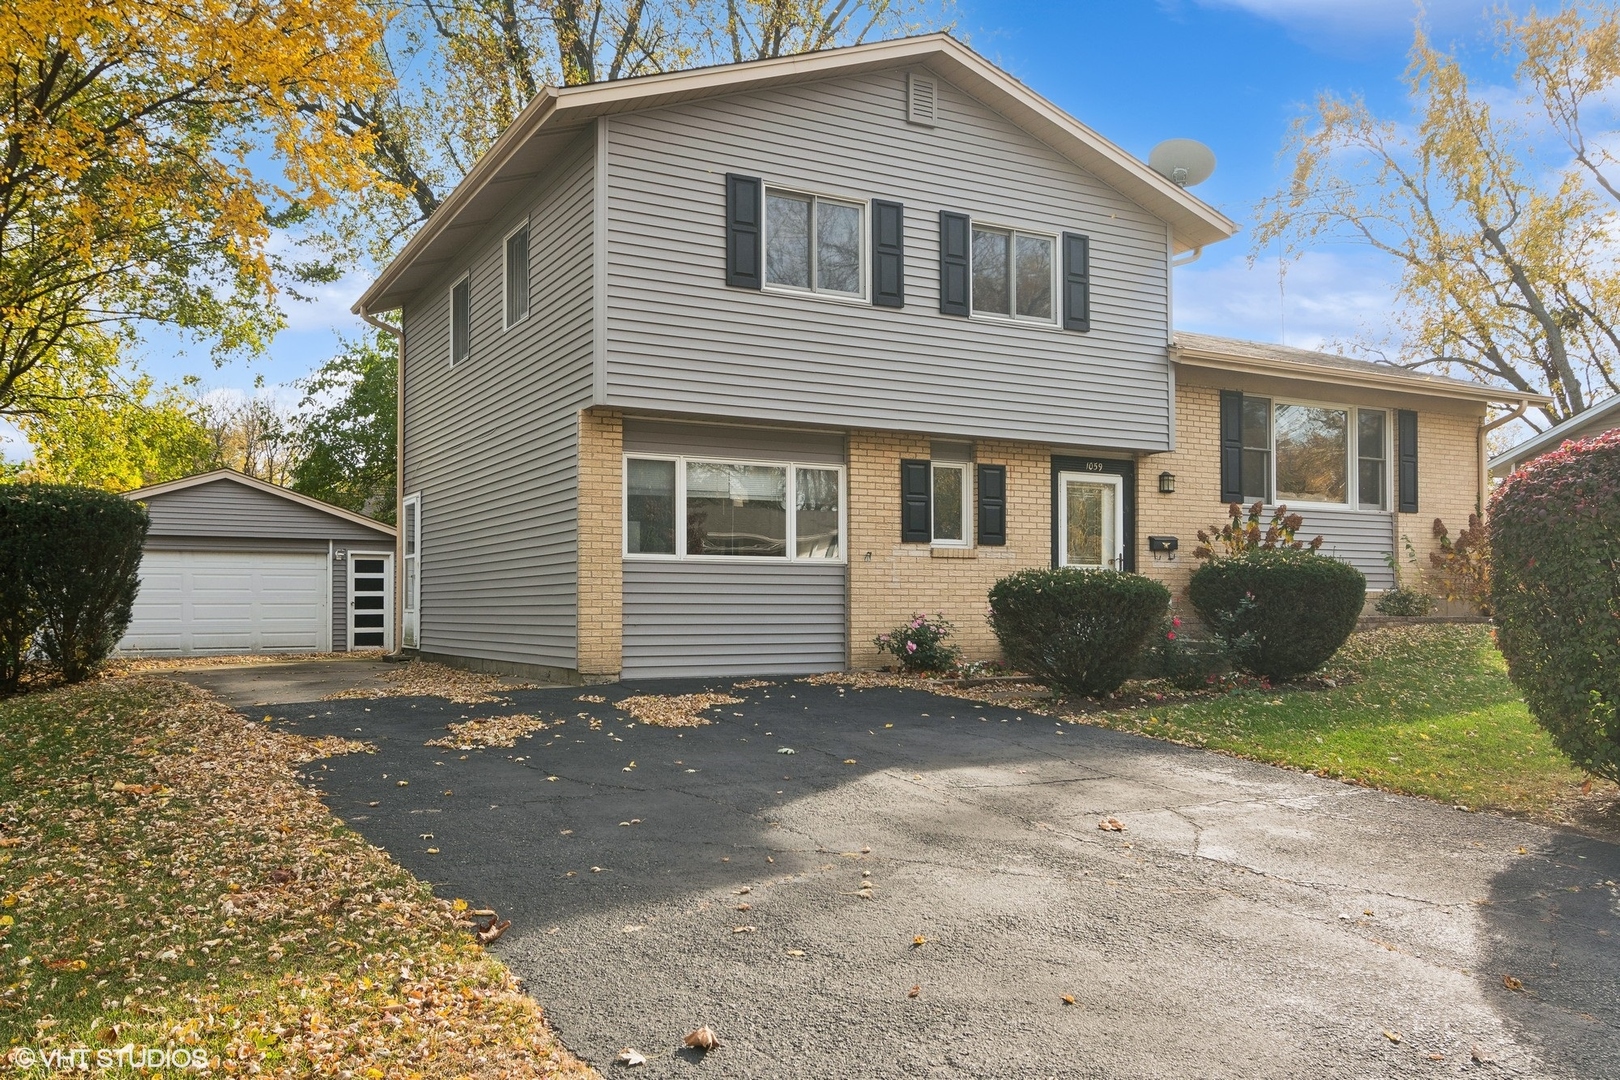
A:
(725, 441)
(492, 443)
(693, 618)
(1360, 538)
(679, 340)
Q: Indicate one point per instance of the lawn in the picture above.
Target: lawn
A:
(1422, 710)
(167, 883)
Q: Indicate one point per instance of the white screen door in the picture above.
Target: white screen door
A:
(1091, 520)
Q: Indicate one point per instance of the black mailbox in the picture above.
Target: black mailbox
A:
(1166, 544)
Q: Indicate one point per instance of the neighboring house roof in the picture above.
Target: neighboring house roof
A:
(145, 493)
(1594, 421)
(555, 116)
(1261, 358)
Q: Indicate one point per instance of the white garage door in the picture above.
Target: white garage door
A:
(231, 601)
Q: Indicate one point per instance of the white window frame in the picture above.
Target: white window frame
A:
(966, 469)
(506, 282)
(681, 555)
(1389, 454)
(1101, 479)
(465, 277)
(1013, 232)
(865, 271)
(1352, 456)
(410, 558)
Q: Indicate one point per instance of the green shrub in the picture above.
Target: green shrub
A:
(1281, 613)
(71, 556)
(1405, 600)
(1554, 534)
(1080, 631)
(921, 645)
(1183, 662)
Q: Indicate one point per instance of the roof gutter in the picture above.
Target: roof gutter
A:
(1486, 428)
(1367, 380)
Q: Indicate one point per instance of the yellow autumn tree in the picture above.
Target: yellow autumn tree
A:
(1505, 257)
(126, 187)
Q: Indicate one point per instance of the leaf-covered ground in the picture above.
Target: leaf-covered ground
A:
(1422, 710)
(166, 881)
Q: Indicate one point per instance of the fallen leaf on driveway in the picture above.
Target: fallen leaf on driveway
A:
(1068, 999)
(494, 930)
(918, 941)
(674, 710)
(742, 929)
(787, 750)
(914, 991)
(1392, 1036)
(1111, 824)
(703, 1038)
(850, 761)
(628, 1057)
(1512, 984)
(1480, 1057)
(488, 731)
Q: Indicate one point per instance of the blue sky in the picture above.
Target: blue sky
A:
(1232, 73)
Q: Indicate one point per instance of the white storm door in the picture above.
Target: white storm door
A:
(1091, 520)
(371, 600)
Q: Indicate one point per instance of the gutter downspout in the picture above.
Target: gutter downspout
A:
(398, 334)
(1484, 460)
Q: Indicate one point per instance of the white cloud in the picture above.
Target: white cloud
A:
(1328, 298)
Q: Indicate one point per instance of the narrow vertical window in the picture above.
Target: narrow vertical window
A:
(1256, 482)
(816, 514)
(649, 507)
(460, 319)
(517, 275)
(1372, 472)
(410, 528)
(950, 500)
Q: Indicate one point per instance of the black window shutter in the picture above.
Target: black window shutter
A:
(1406, 458)
(916, 511)
(1231, 446)
(954, 230)
(992, 489)
(1076, 281)
(744, 205)
(888, 254)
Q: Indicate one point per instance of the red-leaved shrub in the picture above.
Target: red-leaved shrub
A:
(1554, 529)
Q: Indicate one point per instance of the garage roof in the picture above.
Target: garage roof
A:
(232, 477)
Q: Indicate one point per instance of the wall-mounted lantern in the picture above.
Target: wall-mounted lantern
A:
(1167, 483)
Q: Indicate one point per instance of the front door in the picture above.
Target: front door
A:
(1091, 520)
(371, 600)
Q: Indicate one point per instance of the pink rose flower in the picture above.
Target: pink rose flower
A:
(1175, 621)
(911, 646)
(1171, 636)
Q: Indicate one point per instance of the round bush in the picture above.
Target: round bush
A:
(71, 556)
(1080, 631)
(1281, 614)
(1554, 530)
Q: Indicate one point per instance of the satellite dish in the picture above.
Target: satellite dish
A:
(1184, 162)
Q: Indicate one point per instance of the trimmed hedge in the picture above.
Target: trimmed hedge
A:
(70, 557)
(1281, 613)
(1554, 531)
(1081, 631)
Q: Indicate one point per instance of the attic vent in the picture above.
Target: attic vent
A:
(922, 100)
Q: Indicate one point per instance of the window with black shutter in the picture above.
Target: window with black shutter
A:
(744, 196)
(1076, 282)
(992, 496)
(916, 511)
(888, 254)
(954, 263)
(1407, 461)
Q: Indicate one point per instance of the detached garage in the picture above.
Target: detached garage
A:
(236, 565)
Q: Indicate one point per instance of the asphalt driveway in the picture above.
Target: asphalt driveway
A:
(1249, 921)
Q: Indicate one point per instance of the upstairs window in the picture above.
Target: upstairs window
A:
(1013, 273)
(460, 319)
(517, 275)
(814, 244)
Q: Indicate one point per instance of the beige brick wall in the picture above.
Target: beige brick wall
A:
(891, 582)
(601, 564)
(1448, 484)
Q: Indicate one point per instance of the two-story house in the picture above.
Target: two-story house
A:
(727, 371)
